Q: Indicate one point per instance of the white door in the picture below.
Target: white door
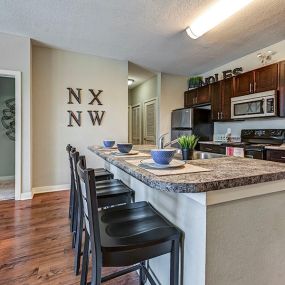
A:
(149, 126)
(136, 124)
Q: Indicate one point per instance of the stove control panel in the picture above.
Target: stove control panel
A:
(263, 133)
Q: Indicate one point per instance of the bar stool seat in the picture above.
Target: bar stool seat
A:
(133, 233)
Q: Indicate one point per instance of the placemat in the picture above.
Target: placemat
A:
(187, 168)
(139, 154)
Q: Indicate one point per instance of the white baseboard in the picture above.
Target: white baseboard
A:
(6, 178)
(27, 196)
(53, 188)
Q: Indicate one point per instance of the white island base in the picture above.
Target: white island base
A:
(231, 237)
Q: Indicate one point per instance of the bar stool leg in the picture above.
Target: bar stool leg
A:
(174, 263)
(142, 274)
(85, 260)
(78, 244)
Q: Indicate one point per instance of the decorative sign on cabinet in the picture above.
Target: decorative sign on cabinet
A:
(75, 116)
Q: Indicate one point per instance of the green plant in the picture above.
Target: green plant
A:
(195, 81)
(188, 142)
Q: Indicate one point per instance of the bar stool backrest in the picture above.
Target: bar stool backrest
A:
(90, 210)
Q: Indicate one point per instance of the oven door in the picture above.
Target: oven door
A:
(253, 106)
(255, 153)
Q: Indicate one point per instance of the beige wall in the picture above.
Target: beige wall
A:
(54, 71)
(171, 97)
(16, 55)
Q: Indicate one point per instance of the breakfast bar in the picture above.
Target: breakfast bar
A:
(231, 215)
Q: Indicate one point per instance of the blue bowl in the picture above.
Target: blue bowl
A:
(124, 147)
(162, 156)
(108, 143)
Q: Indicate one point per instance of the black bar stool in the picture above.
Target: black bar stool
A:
(102, 174)
(109, 193)
(126, 235)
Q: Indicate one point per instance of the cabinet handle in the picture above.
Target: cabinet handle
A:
(254, 86)
(218, 115)
(222, 115)
(250, 88)
(283, 157)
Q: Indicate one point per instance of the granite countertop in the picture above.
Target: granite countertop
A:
(211, 142)
(225, 172)
(274, 147)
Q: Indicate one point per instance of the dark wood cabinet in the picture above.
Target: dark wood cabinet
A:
(216, 105)
(212, 148)
(244, 83)
(281, 89)
(275, 155)
(266, 78)
(199, 96)
(221, 94)
(190, 98)
(203, 95)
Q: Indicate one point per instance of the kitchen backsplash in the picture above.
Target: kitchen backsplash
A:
(236, 127)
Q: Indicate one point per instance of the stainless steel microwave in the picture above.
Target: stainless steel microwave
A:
(257, 105)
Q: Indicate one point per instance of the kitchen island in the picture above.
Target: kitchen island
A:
(232, 217)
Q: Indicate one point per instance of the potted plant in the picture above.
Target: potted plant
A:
(195, 82)
(188, 144)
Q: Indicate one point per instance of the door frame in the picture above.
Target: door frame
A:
(144, 117)
(18, 128)
(130, 124)
(140, 123)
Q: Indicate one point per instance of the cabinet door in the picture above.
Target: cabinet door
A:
(190, 98)
(244, 84)
(203, 95)
(266, 78)
(215, 91)
(227, 94)
(275, 155)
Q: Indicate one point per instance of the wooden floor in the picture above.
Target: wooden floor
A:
(35, 243)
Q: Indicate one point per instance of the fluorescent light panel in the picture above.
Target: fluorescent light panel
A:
(216, 14)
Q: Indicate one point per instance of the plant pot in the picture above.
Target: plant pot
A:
(187, 154)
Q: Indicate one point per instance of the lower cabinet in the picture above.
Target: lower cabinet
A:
(275, 155)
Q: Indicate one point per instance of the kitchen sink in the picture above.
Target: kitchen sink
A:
(200, 155)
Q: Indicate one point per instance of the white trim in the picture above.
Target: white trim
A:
(6, 178)
(53, 188)
(130, 124)
(18, 129)
(26, 196)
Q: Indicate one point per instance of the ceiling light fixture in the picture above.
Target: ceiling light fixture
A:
(130, 82)
(216, 14)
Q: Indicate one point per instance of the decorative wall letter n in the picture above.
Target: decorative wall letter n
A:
(76, 96)
(76, 119)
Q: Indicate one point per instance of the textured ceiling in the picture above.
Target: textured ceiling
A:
(149, 33)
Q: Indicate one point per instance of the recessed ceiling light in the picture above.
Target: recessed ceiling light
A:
(130, 82)
(216, 14)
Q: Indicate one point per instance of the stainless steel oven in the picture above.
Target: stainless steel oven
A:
(257, 105)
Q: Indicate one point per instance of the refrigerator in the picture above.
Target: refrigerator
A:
(189, 121)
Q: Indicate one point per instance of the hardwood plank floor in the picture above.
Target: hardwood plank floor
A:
(35, 243)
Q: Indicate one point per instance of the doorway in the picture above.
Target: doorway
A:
(10, 135)
(144, 87)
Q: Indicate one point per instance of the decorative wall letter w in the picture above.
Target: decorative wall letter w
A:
(96, 116)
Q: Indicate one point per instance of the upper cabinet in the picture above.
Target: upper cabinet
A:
(221, 94)
(199, 96)
(266, 78)
(244, 83)
(259, 80)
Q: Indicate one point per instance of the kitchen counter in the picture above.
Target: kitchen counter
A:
(225, 173)
(232, 217)
(274, 147)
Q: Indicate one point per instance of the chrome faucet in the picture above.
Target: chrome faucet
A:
(161, 143)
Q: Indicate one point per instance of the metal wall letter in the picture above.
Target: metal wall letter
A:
(95, 96)
(76, 119)
(76, 96)
(96, 117)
